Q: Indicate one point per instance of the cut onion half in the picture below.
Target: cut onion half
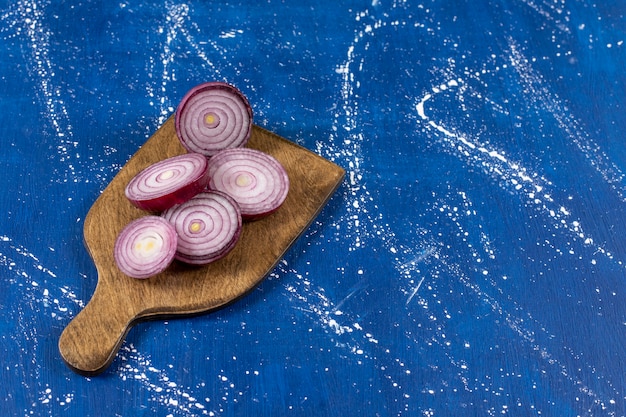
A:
(208, 227)
(256, 180)
(145, 247)
(168, 182)
(213, 116)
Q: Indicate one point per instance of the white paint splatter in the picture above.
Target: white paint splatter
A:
(28, 19)
(513, 174)
(181, 32)
(164, 390)
(548, 100)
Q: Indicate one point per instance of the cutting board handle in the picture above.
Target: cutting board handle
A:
(91, 340)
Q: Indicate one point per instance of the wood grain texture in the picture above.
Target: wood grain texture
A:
(91, 340)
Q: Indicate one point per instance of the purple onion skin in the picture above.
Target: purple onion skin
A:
(183, 194)
(178, 196)
(199, 89)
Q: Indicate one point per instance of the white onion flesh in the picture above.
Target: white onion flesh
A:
(213, 116)
(208, 227)
(168, 182)
(256, 180)
(145, 247)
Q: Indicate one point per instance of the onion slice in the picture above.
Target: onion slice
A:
(213, 116)
(168, 182)
(145, 247)
(256, 180)
(208, 227)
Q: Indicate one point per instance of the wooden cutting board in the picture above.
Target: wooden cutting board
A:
(91, 340)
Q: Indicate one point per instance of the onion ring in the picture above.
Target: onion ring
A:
(168, 182)
(256, 180)
(145, 247)
(208, 227)
(213, 116)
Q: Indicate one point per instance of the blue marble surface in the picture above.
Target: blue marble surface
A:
(471, 264)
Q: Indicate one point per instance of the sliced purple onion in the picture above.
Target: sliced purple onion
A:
(145, 247)
(256, 180)
(213, 116)
(168, 182)
(208, 227)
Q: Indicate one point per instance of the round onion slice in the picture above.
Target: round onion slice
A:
(208, 227)
(168, 182)
(145, 247)
(213, 116)
(256, 180)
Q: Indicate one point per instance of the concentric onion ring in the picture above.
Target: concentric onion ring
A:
(208, 227)
(145, 247)
(256, 180)
(168, 182)
(213, 116)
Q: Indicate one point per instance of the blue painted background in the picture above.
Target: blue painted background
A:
(472, 263)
